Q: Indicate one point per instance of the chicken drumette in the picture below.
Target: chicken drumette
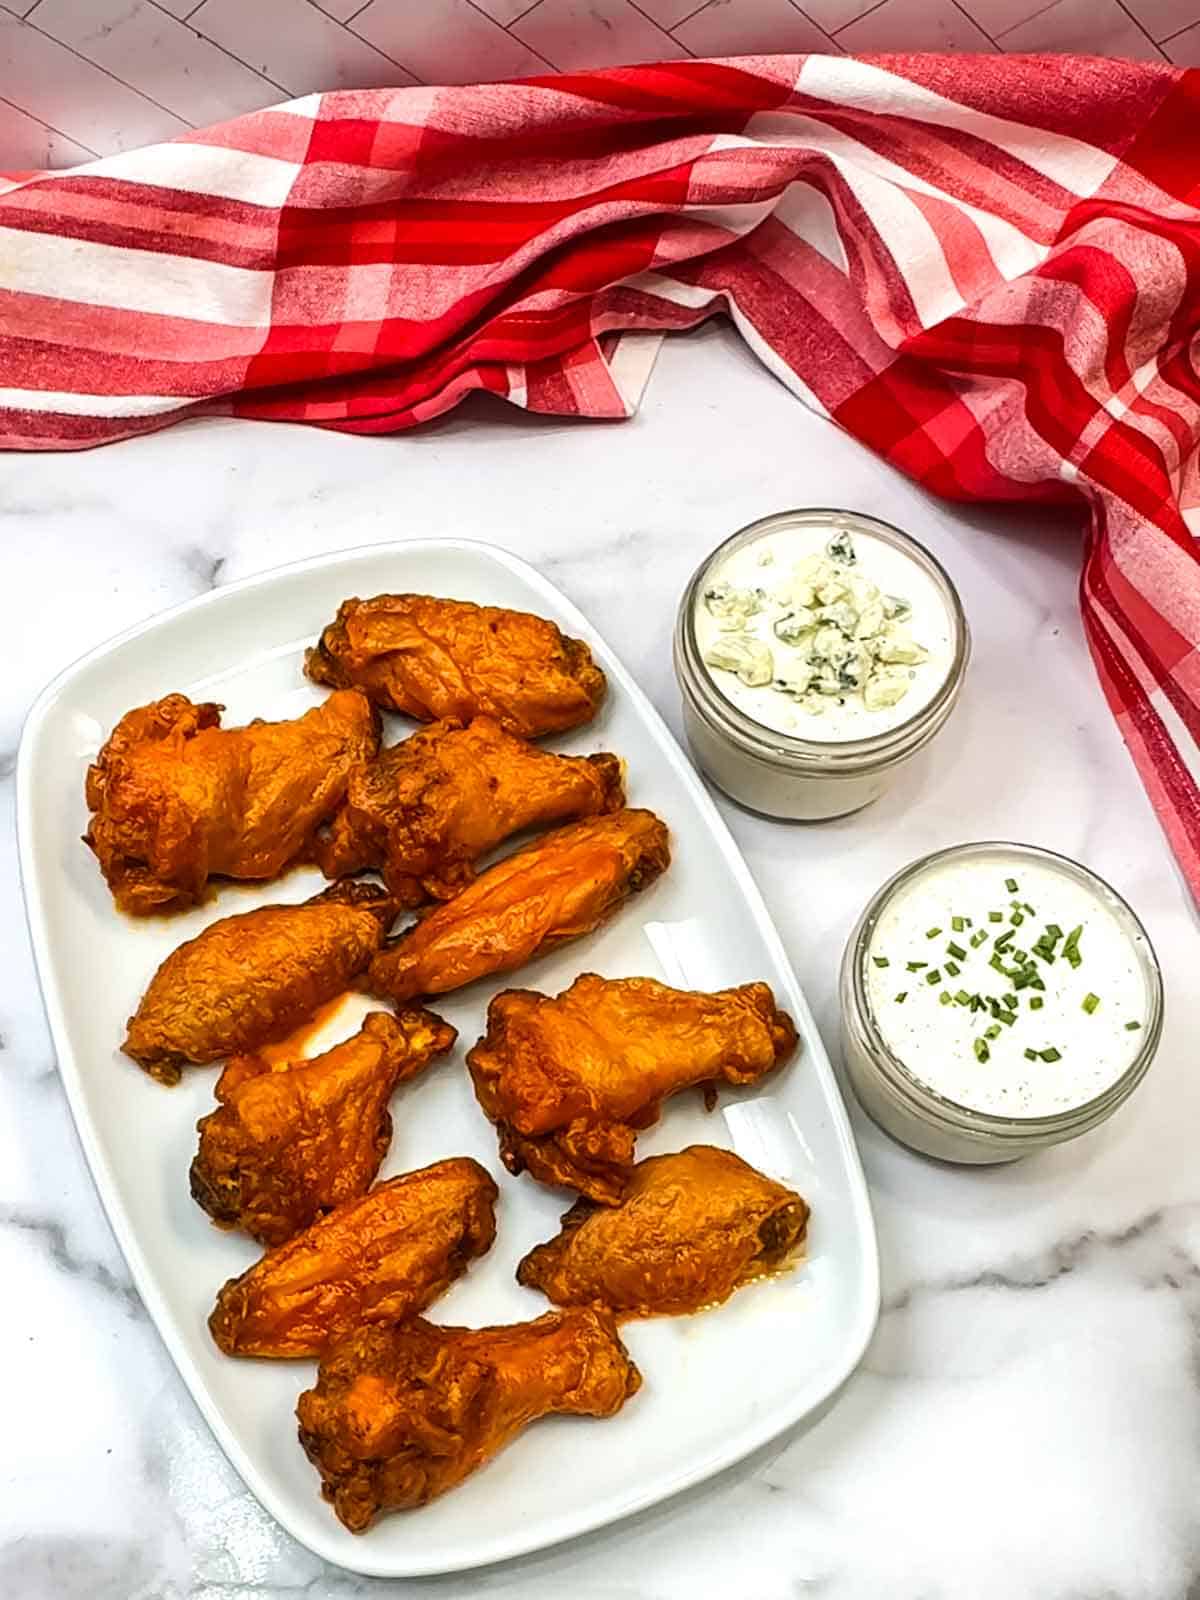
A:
(429, 807)
(250, 979)
(570, 1080)
(433, 658)
(562, 885)
(401, 1414)
(292, 1140)
(177, 799)
(692, 1228)
(380, 1258)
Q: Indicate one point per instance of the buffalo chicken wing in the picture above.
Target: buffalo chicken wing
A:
(380, 1258)
(562, 885)
(401, 1414)
(176, 799)
(432, 658)
(292, 1140)
(427, 808)
(569, 1081)
(692, 1228)
(250, 979)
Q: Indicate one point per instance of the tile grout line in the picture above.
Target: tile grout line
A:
(79, 144)
(95, 65)
(666, 32)
(878, 6)
(1187, 27)
(1032, 17)
(521, 15)
(703, 6)
(1144, 31)
(515, 36)
(975, 22)
(812, 22)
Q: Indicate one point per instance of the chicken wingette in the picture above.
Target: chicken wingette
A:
(401, 1414)
(427, 808)
(570, 1080)
(380, 1258)
(692, 1228)
(561, 886)
(291, 1140)
(176, 799)
(251, 979)
(431, 658)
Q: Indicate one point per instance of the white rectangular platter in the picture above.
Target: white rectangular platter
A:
(717, 1385)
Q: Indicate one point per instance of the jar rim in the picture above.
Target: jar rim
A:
(826, 755)
(950, 1113)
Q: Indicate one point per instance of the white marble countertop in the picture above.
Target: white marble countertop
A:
(1026, 1422)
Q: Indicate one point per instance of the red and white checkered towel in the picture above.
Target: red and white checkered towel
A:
(986, 268)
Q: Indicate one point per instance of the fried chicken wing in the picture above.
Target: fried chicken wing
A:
(176, 799)
(401, 1414)
(433, 658)
(562, 885)
(253, 978)
(292, 1140)
(569, 1081)
(692, 1228)
(380, 1258)
(427, 808)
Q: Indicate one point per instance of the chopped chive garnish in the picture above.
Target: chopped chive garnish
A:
(1070, 949)
(1031, 1055)
(1003, 940)
(1036, 1002)
(953, 968)
(1051, 1055)
(993, 1032)
(1011, 885)
(1090, 1002)
(947, 999)
(957, 951)
(915, 966)
(958, 923)
(978, 938)
(881, 961)
(1017, 918)
(982, 1053)
(977, 1002)
(902, 997)
(962, 997)
(1007, 1018)
(995, 916)
(1021, 957)
(1025, 906)
(1132, 1027)
(933, 977)
(1037, 984)
(1053, 930)
(932, 933)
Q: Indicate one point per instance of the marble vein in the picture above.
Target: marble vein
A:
(50, 1238)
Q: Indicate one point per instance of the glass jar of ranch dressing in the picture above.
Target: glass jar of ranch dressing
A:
(816, 652)
(997, 999)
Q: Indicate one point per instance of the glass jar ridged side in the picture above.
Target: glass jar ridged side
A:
(800, 775)
(918, 1115)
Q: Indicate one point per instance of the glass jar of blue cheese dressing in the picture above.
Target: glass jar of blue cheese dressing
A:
(997, 999)
(816, 651)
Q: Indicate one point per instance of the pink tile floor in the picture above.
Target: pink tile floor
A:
(89, 77)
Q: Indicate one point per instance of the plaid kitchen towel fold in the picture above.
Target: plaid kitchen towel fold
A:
(986, 268)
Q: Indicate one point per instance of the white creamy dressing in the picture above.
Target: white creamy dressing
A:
(937, 1042)
(823, 634)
